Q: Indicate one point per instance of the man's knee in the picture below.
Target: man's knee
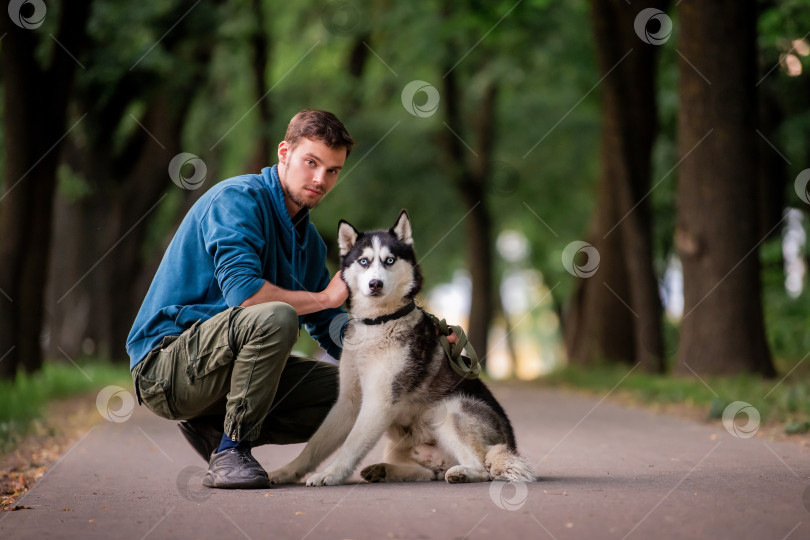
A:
(272, 318)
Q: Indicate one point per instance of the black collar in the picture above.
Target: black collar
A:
(398, 314)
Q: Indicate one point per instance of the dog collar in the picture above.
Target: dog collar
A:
(398, 314)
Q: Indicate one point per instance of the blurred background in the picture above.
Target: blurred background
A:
(593, 185)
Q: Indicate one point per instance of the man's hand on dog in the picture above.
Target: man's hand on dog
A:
(336, 293)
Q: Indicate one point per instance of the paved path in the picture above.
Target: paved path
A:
(606, 472)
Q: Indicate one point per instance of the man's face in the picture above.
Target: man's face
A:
(307, 172)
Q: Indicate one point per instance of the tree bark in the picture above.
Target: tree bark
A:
(722, 331)
(616, 313)
(35, 122)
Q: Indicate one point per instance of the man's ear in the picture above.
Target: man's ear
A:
(283, 151)
(347, 236)
(402, 228)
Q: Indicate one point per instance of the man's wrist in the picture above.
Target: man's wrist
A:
(326, 299)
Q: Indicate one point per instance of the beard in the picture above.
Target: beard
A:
(297, 199)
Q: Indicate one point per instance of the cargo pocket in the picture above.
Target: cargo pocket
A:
(155, 383)
(207, 349)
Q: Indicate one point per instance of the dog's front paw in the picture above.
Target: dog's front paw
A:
(374, 473)
(284, 476)
(324, 479)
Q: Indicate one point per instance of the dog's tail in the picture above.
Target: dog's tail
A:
(507, 465)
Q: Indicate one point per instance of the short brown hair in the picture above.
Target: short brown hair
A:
(320, 126)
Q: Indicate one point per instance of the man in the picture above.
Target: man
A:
(212, 341)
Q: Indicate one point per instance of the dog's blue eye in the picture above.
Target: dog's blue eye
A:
(389, 260)
(363, 261)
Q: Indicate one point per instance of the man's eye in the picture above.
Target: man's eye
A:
(389, 260)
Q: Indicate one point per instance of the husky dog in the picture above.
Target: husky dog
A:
(395, 377)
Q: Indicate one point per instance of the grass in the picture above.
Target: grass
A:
(23, 400)
(785, 403)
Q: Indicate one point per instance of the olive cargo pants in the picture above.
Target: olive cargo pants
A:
(236, 366)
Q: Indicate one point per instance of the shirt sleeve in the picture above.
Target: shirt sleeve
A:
(232, 232)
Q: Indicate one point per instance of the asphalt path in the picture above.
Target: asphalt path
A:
(606, 471)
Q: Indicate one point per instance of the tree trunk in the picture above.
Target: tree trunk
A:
(35, 122)
(471, 181)
(616, 313)
(107, 284)
(722, 331)
(260, 52)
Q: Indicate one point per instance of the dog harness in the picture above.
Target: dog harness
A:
(466, 366)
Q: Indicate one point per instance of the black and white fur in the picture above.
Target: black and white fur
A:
(395, 378)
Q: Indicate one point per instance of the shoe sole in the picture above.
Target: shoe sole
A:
(254, 483)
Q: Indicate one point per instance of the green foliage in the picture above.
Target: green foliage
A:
(23, 400)
(781, 401)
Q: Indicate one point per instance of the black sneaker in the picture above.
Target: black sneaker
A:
(235, 468)
(202, 434)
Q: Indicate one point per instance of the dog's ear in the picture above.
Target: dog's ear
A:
(347, 236)
(402, 228)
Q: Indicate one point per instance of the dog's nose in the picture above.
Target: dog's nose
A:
(375, 285)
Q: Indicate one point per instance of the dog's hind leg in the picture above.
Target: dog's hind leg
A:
(461, 439)
(399, 465)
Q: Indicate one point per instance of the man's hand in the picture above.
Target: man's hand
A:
(336, 292)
